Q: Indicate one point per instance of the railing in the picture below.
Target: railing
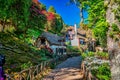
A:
(87, 74)
(32, 72)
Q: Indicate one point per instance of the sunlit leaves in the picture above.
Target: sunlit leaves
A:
(51, 9)
(97, 20)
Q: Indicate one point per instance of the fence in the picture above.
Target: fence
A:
(32, 72)
(87, 74)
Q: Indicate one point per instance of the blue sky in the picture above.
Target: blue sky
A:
(70, 13)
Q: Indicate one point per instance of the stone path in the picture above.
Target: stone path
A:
(68, 70)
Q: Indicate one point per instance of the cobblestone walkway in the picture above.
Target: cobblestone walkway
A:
(68, 70)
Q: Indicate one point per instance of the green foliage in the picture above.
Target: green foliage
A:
(68, 43)
(102, 72)
(46, 53)
(31, 35)
(18, 53)
(21, 26)
(115, 31)
(103, 55)
(26, 65)
(51, 9)
(4, 9)
(89, 54)
(84, 55)
(117, 10)
(52, 65)
(111, 34)
(96, 19)
(115, 28)
(58, 23)
(20, 13)
(42, 6)
(73, 49)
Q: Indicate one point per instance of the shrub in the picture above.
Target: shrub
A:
(84, 55)
(73, 49)
(102, 72)
(111, 34)
(103, 55)
(115, 27)
(52, 65)
(89, 54)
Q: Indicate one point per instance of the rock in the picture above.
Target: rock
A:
(93, 62)
(113, 46)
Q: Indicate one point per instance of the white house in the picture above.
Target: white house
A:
(76, 36)
(51, 41)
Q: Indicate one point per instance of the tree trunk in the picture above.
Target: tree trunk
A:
(81, 11)
(81, 15)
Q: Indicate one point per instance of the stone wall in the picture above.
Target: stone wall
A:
(113, 45)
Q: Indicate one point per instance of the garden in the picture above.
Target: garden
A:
(97, 64)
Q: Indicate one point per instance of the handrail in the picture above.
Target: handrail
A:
(87, 74)
(32, 72)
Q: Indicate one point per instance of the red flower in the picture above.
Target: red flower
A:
(44, 12)
(50, 16)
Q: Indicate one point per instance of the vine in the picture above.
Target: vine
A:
(97, 20)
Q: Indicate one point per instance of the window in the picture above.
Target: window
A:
(43, 41)
(81, 41)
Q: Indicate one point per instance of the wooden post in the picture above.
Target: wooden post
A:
(41, 67)
(20, 77)
(31, 74)
(37, 69)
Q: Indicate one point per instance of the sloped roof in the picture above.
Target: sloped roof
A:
(82, 37)
(81, 34)
(52, 38)
(81, 31)
(70, 28)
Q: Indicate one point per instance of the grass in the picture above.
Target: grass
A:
(19, 54)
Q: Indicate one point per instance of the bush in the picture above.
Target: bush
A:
(89, 54)
(115, 27)
(111, 34)
(73, 49)
(102, 72)
(52, 65)
(84, 55)
(103, 55)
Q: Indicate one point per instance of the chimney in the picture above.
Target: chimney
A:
(75, 28)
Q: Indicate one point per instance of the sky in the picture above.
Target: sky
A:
(69, 13)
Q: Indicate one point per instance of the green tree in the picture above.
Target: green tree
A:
(97, 21)
(51, 9)
(42, 6)
(58, 23)
(4, 12)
